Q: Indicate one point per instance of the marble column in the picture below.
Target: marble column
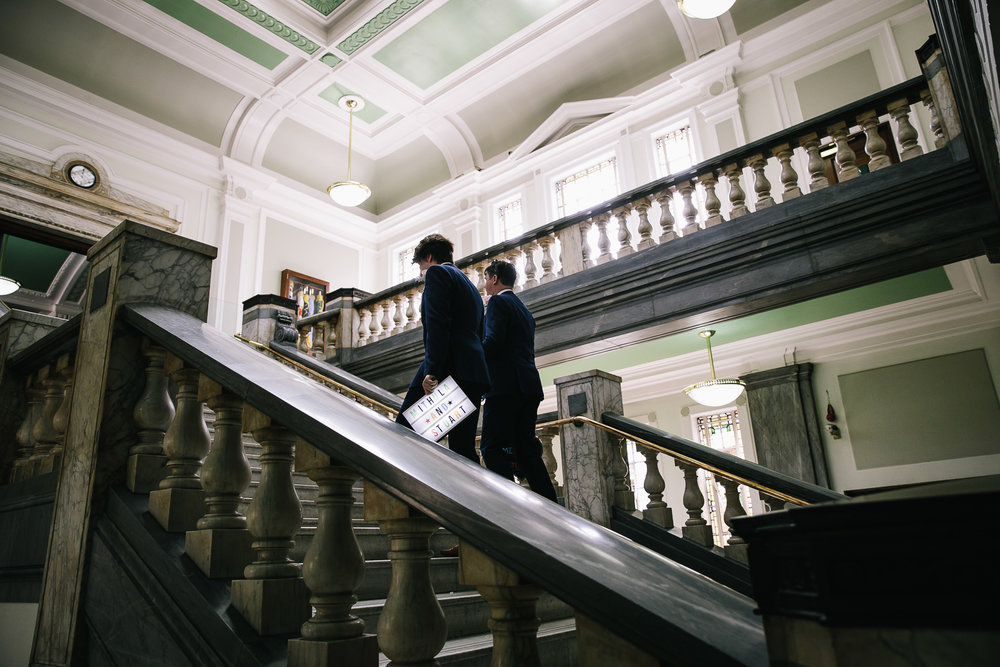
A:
(786, 430)
(588, 452)
(133, 263)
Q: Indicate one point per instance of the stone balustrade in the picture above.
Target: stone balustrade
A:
(866, 136)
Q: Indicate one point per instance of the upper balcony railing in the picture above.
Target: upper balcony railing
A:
(869, 135)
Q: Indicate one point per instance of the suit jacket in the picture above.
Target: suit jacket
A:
(509, 344)
(452, 316)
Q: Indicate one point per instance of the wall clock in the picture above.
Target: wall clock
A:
(82, 175)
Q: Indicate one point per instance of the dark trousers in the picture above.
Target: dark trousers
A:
(462, 438)
(509, 446)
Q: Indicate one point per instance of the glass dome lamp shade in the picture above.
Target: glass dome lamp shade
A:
(715, 392)
(704, 9)
(8, 285)
(348, 192)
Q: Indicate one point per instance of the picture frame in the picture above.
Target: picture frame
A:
(308, 293)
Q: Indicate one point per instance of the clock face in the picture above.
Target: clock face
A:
(82, 175)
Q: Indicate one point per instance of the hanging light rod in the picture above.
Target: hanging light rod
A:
(348, 192)
(704, 9)
(714, 392)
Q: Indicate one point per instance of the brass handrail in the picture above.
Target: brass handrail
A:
(356, 395)
(707, 466)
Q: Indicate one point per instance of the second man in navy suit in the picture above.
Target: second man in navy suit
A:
(509, 445)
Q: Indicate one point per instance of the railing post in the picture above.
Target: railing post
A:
(761, 186)
(513, 620)
(180, 501)
(789, 179)
(624, 235)
(645, 229)
(133, 263)
(221, 544)
(712, 203)
(152, 413)
(334, 567)
(546, 435)
(268, 317)
(736, 547)
(874, 144)
(588, 452)
(943, 104)
(44, 431)
(737, 197)
(60, 420)
(689, 211)
(656, 511)
(272, 597)
(906, 134)
(816, 166)
(24, 466)
(846, 165)
(665, 198)
(695, 528)
(411, 628)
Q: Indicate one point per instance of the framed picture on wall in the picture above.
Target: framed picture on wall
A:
(308, 293)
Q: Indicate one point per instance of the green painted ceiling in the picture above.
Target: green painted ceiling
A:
(32, 264)
(473, 27)
(915, 285)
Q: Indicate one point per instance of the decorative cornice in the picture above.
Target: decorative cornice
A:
(272, 24)
(377, 25)
(324, 7)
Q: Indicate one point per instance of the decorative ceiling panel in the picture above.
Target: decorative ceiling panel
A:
(456, 33)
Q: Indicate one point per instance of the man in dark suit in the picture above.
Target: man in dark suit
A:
(509, 445)
(451, 312)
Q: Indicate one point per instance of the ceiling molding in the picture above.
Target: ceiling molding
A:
(572, 115)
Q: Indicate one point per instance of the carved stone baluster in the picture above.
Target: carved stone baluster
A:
(624, 235)
(513, 620)
(364, 320)
(737, 197)
(412, 312)
(418, 301)
(412, 628)
(272, 596)
(761, 186)
(603, 242)
(333, 569)
(180, 501)
(530, 270)
(386, 320)
(220, 546)
(546, 435)
(935, 121)
(712, 203)
(664, 198)
(152, 414)
(60, 420)
(624, 496)
(816, 165)
(585, 253)
(690, 212)
(905, 132)
(548, 274)
(736, 547)
(846, 167)
(656, 511)
(24, 466)
(399, 317)
(695, 528)
(789, 179)
(645, 229)
(572, 242)
(375, 326)
(874, 144)
(44, 432)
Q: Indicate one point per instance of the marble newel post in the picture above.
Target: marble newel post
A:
(786, 430)
(268, 317)
(133, 263)
(588, 452)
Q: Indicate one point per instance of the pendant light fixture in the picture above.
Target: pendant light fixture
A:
(7, 285)
(348, 192)
(704, 9)
(714, 392)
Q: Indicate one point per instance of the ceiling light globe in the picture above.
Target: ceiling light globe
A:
(704, 9)
(8, 285)
(716, 393)
(349, 193)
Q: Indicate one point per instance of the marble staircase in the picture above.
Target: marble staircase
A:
(469, 640)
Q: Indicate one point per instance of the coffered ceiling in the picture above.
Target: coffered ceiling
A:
(449, 86)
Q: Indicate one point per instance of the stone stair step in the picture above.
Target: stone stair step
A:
(556, 648)
(467, 612)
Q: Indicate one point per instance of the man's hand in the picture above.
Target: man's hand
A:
(429, 384)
